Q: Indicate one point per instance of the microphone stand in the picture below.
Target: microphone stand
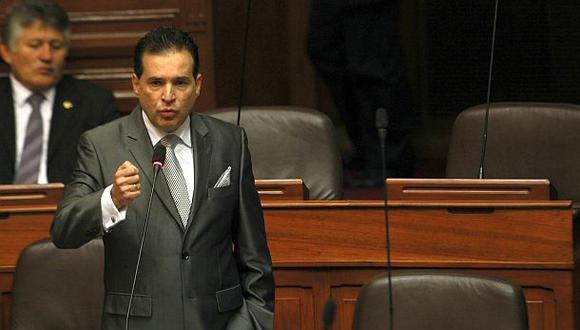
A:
(244, 53)
(488, 101)
(157, 164)
(382, 123)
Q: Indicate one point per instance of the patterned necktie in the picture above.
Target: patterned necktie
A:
(175, 178)
(30, 159)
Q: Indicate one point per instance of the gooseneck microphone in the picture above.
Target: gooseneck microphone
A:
(328, 314)
(158, 160)
(481, 174)
(382, 123)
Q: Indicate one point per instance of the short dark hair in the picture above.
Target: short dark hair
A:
(164, 39)
(25, 12)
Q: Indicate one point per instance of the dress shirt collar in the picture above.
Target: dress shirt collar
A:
(155, 134)
(20, 93)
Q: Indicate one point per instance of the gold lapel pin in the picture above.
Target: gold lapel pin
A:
(67, 105)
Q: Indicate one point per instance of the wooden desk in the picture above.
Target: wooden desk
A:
(327, 249)
(330, 249)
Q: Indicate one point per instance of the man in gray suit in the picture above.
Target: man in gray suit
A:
(205, 261)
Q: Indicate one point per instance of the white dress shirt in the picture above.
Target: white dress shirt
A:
(184, 154)
(22, 111)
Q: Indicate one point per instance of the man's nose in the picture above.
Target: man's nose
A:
(46, 53)
(168, 93)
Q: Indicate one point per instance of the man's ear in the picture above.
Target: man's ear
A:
(136, 83)
(198, 82)
(5, 53)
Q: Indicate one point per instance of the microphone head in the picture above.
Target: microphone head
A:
(158, 155)
(382, 118)
(328, 313)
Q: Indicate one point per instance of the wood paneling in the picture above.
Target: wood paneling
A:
(542, 303)
(294, 308)
(541, 306)
(450, 234)
(345, 298)
(5, 296)
(104, 34)
(266, 75)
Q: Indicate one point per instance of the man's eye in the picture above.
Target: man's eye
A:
(155, 83)
(34, 44)
(56, 45)
(182, 83)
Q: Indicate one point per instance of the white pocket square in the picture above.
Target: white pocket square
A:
(224, 179)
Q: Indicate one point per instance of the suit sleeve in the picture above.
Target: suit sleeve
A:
(251, 250)
(78, 218)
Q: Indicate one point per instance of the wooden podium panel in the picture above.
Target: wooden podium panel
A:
(444, 234)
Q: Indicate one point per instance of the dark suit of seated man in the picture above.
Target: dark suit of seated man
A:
(205, 261)
(39, 144)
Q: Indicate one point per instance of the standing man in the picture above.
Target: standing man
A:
(43, 112)
(205, 261)
(354, 45)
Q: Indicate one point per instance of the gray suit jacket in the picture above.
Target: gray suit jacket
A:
(214, 274)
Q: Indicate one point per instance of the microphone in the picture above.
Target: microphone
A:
(382, 123)
(481, 174)
(328, 314)
(157, 160)
(243, 64)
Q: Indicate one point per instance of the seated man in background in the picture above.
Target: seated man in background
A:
(43, 112)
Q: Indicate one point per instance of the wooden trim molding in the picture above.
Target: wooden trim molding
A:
(102, 74)
(124, 15)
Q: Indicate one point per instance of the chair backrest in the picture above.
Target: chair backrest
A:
(291, 143)
(58, 289)
(525, 141)
(436, 301)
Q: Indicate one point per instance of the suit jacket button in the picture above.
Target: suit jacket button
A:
(185, 256)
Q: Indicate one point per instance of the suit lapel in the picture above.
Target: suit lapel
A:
(7, 124)
(65, 112)
(202, 155)
(142, 151)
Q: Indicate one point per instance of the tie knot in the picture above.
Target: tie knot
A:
(35, 100)
(170, 141)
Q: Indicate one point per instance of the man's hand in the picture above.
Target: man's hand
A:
(126, 186)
